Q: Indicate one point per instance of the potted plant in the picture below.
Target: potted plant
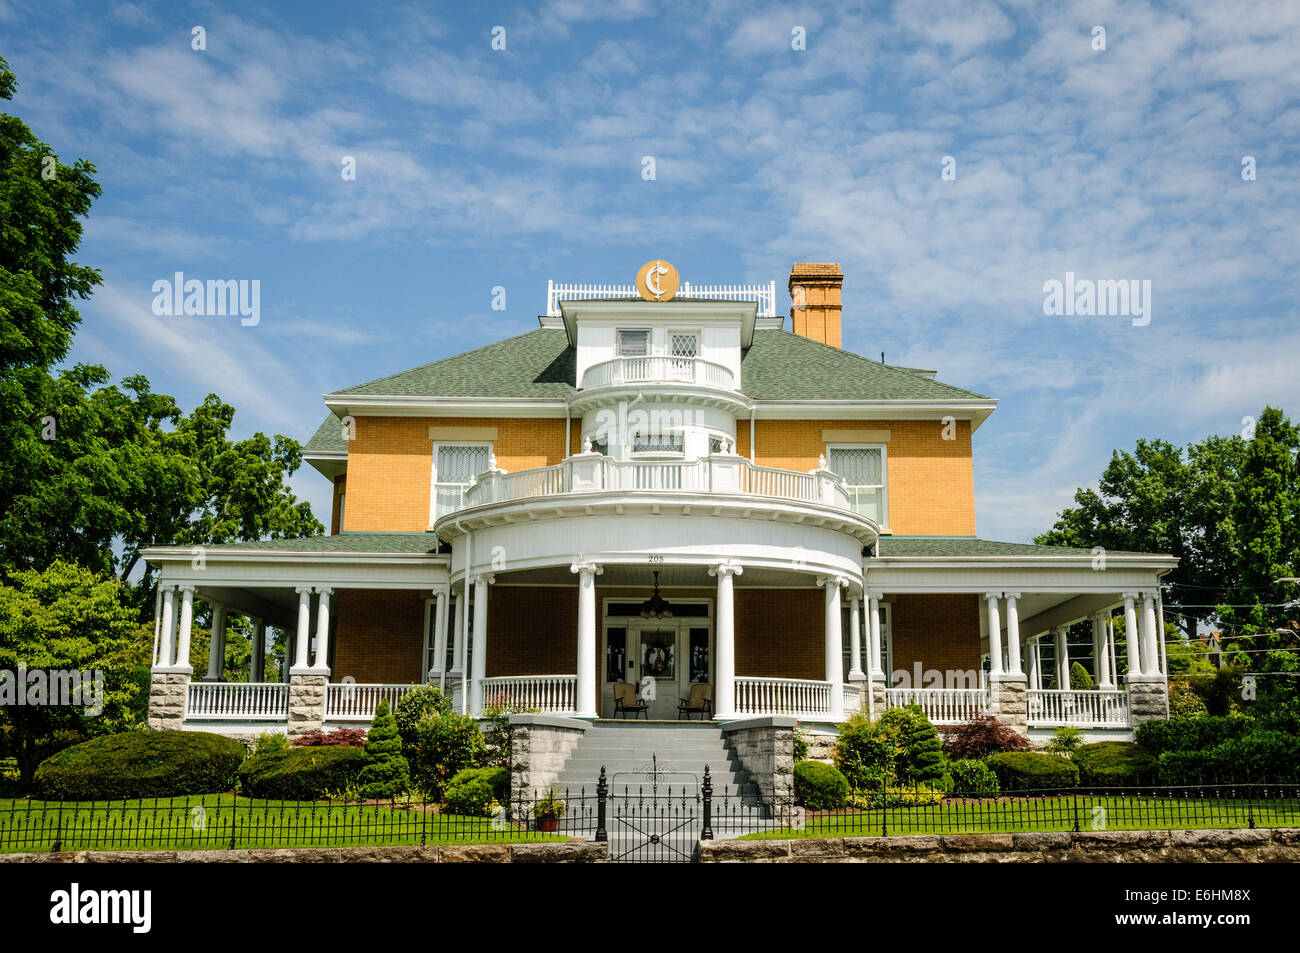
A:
(548, 811)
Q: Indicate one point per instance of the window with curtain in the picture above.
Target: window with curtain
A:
(863, 471)
(455, 467)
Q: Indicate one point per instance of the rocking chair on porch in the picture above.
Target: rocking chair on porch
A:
(700, 699)
(625, 700)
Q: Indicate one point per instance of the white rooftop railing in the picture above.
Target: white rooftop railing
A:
(763, 295)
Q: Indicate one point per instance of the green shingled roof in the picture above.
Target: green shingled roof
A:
(328, 437)
(395, 543)
(970, 546)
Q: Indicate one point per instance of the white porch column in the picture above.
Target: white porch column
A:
(1013, 634)
(323, 630)
(1034, 665)
(303, 637)
(875, 650)
(167, 628)
(1062, 658)
(184, 627)
(478, 652)
(724, 666)
(458, 631)
(216, 645)
(1131, 635)
(855, 641)
(257, 661)
(1101, 641)
(439, 635)
(1150, 640)
(995, 633)
(587, 572)
(834, 664)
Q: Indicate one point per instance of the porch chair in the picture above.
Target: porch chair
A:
(700, 699)
(625, 700)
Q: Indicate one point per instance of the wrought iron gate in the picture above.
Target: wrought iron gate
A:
(652, 816)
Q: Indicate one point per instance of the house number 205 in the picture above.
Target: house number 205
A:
(656, 558)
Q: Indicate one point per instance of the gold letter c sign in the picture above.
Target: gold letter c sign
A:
(657, 281)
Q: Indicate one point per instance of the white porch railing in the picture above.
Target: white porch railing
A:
(942, 706)
(547, 693)
(853, 696)
(356, 702)
(1082, 709)
(704, 475)
(801, 698)
(237, 701)
(764, 295)
(679, 370)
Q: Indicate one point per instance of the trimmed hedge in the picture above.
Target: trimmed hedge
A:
(972, 778)
(141, 764)
(1029, 770)
(819, 787)
(1263, 757)
(1199, 733)
(472, 791)
(301, 774)
(1110, 763)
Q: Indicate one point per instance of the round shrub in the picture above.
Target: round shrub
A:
(819, 787)
(141, 764)
(472, 791)
(866, 750)
(301, 774)
(973, 778)
(1032, 770)
(1114, 763)
(413, 707)
(445, 745)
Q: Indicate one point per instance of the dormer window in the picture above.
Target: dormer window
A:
(635, 343)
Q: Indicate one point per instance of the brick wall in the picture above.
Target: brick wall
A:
(340, 488)
(780, 633)
(379, 636)
(390, 464)
(532, 630)
(931, 482)
(940, 631)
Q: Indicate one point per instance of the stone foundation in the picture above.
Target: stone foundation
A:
(306, 703)
(876, 702)
(765, 748)
(539, 746)
(167, 690)
(1148, 698)
(1280, 845)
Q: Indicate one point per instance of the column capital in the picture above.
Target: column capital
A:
(728, 567)
(185, 587)
(1129, 596)
(1150, 595)
(324, 591)
(1011, 595)
(1061, 630)
(486, 578)
(873, 594)
(992, 596)
(304, 590)
(586, 566)
(840, 582)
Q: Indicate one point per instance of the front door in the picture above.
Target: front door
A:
(656, 669)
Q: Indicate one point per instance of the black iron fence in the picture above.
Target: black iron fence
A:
(642, 818)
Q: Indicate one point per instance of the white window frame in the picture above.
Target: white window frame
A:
(884, 472)
(649, 341)
(433, 469)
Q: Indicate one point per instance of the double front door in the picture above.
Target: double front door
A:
(662, 658)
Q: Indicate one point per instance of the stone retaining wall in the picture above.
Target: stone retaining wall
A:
(539, 746)
(167, 692)
(765, 747)
(545, 853)
(1280, 845)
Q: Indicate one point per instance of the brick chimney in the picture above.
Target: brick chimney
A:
(815, 301)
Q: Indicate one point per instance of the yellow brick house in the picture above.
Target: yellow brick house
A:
(661, 503)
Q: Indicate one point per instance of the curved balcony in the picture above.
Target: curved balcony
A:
(722, 473)
(659, 370)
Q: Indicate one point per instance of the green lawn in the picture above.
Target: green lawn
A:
(208, 823)
(1011, 815)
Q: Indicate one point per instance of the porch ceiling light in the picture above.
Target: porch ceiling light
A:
(656, 607)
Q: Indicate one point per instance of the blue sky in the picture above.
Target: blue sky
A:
(477, 168)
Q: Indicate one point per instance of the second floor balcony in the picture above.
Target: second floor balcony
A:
(658, 369)
(722, 473)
